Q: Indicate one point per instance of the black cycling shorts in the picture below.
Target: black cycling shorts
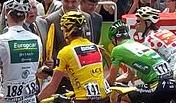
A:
(164, 93)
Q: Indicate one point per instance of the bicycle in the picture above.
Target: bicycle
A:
(60, 98)
(69, 96)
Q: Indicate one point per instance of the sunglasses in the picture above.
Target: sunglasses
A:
(138, 21)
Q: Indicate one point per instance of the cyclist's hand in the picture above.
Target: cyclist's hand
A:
(49, 63)
(1, 96)
(44, 72)
(101, 47)
(114, 97)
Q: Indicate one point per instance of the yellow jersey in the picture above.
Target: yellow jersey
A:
(82, 61)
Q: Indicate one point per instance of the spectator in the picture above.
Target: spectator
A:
(134, 6)
(1, 4)
(48, 7)
(89, 7)
(123, 6)
(107, 11)
(170, 6)
(35, 24)
(31, 17)
(3, 19)
(137, 4)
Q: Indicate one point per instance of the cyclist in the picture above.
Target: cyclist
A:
(81, 60)
(161, 40)
(145, 63)
(20, 52)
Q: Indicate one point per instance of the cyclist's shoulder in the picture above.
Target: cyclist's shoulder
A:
(126, 44)
(160, 32)
(7, 35)
(65, 51)
(76, 44)
(29, 35)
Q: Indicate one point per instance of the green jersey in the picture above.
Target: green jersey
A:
(149, 66)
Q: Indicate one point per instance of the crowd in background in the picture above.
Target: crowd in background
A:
(125, 7)
(98, 13)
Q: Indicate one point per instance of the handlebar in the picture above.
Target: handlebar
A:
(62, 98)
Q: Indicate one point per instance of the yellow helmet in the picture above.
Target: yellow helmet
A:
(72, 21)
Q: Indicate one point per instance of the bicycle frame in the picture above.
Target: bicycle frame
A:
(62, 98)
(119, 92)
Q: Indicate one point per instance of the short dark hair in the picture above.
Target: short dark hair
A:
(17, 16)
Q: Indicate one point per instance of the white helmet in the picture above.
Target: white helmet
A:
(148, 13)
(19, 5)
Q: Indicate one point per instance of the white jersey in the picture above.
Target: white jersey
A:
(20, 52)
(164, 42)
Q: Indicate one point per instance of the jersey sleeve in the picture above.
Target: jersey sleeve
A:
(115, 58)
(62, 61)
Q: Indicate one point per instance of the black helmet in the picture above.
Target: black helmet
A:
(118, 29)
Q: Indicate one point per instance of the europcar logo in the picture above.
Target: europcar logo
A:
(25, 45)
(24, 51)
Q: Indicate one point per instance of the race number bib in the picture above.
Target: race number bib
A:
(16, 92)
(92, 90)
(162, 68)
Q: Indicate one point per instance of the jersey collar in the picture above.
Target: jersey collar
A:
(79, 39)
(16, 28)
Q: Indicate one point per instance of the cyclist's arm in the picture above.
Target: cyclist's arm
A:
(52, 86)
(114, 67)
(134, 6)
(112, 74)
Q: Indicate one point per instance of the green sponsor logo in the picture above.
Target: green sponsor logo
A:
(24, 51)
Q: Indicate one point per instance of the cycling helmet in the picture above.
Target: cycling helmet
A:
(19, 5)
(72, 21)
(118, 29)
(148, 13)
